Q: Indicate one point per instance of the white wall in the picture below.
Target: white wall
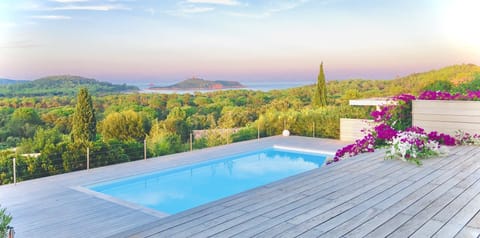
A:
(351, 129)
(447, 116)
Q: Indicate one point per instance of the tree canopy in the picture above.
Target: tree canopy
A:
(84, 127)
(320, 97)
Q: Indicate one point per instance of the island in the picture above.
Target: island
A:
(60, 85)
(201, 84)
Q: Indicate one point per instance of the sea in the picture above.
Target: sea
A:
(255, 86)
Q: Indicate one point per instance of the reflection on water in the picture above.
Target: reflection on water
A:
(178, 190)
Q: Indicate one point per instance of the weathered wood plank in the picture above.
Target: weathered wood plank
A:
(395, 204)
(437, 204)
(460, 220)
(468, 232)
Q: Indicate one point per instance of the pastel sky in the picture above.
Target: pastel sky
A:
(245, 40)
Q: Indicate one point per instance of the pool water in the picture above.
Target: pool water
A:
(183, 188)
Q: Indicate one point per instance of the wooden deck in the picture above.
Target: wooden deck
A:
(362, 197)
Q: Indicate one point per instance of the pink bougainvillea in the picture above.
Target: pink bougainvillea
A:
(394, 128)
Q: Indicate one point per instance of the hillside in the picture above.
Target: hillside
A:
(455, 74)
(4, 81)
(61, 85)
(413, 83)
(201, 84)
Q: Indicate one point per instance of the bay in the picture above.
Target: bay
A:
(255, 86)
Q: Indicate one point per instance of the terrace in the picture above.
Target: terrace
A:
(363, 196)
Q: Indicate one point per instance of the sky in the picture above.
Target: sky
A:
(243, 40)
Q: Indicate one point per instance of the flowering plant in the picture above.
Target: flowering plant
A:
(442, 138)
(384, 133)
(439, 95)
(403, 141)
(394, 130)
(464, 138)
(412, 145)
(366, 144)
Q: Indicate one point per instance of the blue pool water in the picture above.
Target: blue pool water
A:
(183, 188)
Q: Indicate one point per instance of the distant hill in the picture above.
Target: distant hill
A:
(456, 74)
(413, 83)
(201, 84)
(61, 85)
(4, 81)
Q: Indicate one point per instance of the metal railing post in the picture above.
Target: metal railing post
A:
(14, 171)
(313, 128)
(88, 158)
(145, 149)
(191, 141)
(258, 131)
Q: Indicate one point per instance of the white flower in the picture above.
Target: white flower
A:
(411, 145)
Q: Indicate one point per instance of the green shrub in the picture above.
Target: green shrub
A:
(5, 219)
(246, 133)
(440, 85)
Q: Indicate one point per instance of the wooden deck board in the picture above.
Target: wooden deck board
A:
(364, 196)
(398, 202)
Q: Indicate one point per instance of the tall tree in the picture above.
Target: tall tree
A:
(320, 97)
(84, 126)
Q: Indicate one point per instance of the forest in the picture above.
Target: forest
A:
(58, 86)
(37, 130)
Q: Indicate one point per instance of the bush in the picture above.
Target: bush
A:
(440, 85)
(5, 219)
(247, 133)
(463, 88)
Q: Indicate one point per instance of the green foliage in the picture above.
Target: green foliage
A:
(440, 85)
(320, 97)
(456, 74)
(74, 157)
(5, 219)
(198, 83)
(472, 85)
(6, 166)
(84, 127)
(4, 81)
(247, 133)
(43, 137)
(200, 143)
(217, 137)
(176, 123)
(401, 116)
(124, 119)
(162, 141)
(115, 151)
(24, 122)
(60, 85)
(126, 125)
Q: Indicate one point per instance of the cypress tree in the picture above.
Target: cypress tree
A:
(320, 97)
(84, 127)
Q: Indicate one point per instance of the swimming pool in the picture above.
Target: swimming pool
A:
(179, 189)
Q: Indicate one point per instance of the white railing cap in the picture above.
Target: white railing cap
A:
(372, 102)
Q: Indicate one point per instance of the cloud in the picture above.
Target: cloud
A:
(51, 17)
(69, 1)
(89, 8)
(278, 6)
(218, 2)
(186, 9)
(197, 9)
